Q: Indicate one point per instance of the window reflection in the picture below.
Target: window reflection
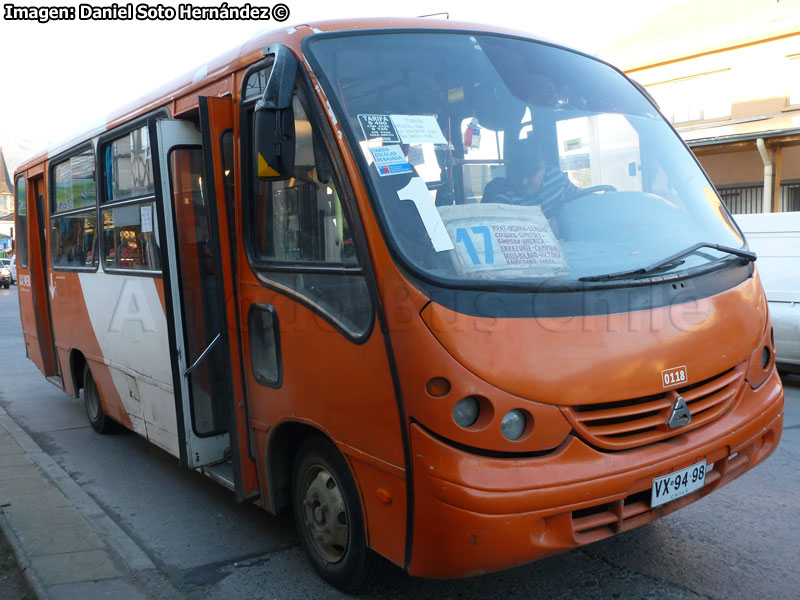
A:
(129, 166)
(74, 183)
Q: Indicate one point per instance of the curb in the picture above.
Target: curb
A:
(22, 558)
(125, 547)
(117, 546)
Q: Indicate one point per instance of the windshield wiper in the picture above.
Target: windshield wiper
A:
(671, 261)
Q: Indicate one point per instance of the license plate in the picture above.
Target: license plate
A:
(678, 484)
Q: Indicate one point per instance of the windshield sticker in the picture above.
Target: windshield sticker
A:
(418, 193)
(416, 156)
(418, 129)
(517, 239)
(390, 160)
(378, 127)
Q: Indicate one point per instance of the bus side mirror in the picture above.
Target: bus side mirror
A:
(273, 127)
(274, 143)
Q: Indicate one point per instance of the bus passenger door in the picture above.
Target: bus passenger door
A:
(194, 292)
(216, 124)
(41, 281)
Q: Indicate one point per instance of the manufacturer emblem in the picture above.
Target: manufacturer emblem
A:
(680, 413)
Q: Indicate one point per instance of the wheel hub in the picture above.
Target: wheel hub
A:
(325, 514)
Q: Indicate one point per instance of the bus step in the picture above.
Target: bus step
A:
(222, 473)
(56, 381)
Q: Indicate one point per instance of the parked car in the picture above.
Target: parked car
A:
(11, 263)
(775, 237)
(5, 273)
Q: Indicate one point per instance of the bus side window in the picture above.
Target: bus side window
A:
(128, 212)
(22, 221)
(300, 223)
(73, 213)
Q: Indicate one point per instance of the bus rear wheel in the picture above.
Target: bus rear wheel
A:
(329, 519)
(99, 421)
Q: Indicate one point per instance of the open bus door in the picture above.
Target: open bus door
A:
(199, 272)
(42, 280)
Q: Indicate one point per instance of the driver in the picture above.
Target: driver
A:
(531, 182)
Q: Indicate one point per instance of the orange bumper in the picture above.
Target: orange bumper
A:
(477, 514)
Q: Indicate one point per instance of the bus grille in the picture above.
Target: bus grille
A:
(627, 424)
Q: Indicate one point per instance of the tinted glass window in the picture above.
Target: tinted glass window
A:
(129, 166)
(74, 183)
(301, 222)
(256, 83)
(22, 222)
(130, 240)
(73, 220)
(264, 349)
(198, 287)
(74, 240)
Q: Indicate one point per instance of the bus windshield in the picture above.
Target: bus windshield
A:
(496, 159)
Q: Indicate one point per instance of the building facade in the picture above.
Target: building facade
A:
(727, 74)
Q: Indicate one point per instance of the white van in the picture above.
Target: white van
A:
(775, 237)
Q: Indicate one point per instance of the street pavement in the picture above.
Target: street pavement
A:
(112, 516)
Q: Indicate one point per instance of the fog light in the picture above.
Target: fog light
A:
(465, 412)
(765, 357)
(513, 424)
(438, 387)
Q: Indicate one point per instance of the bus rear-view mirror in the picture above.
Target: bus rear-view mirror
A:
(273, 129)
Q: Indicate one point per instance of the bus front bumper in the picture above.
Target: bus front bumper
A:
(477, 514)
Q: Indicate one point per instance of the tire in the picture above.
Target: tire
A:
(99, 421)
(330, 523)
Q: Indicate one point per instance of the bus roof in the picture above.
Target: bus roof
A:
(189, 86)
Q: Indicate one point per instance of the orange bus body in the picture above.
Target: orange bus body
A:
(438, 499)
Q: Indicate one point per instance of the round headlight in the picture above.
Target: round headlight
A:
(465, 412)
(513, 424)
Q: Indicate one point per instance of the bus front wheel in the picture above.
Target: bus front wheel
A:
(99, 421)
(329, 518)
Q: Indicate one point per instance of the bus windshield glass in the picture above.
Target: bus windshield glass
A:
(500, 160)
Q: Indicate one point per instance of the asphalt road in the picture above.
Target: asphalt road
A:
(742, 542)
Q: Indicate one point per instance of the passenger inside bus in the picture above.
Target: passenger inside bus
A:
(530, 181)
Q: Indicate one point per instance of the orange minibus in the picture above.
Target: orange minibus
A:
(458, 297)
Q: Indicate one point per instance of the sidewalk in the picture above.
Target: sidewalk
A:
(67, 545)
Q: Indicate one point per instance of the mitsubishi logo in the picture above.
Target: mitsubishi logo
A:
(680, 413)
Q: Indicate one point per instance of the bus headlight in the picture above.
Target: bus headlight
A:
(466, 411)
(513, 424)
